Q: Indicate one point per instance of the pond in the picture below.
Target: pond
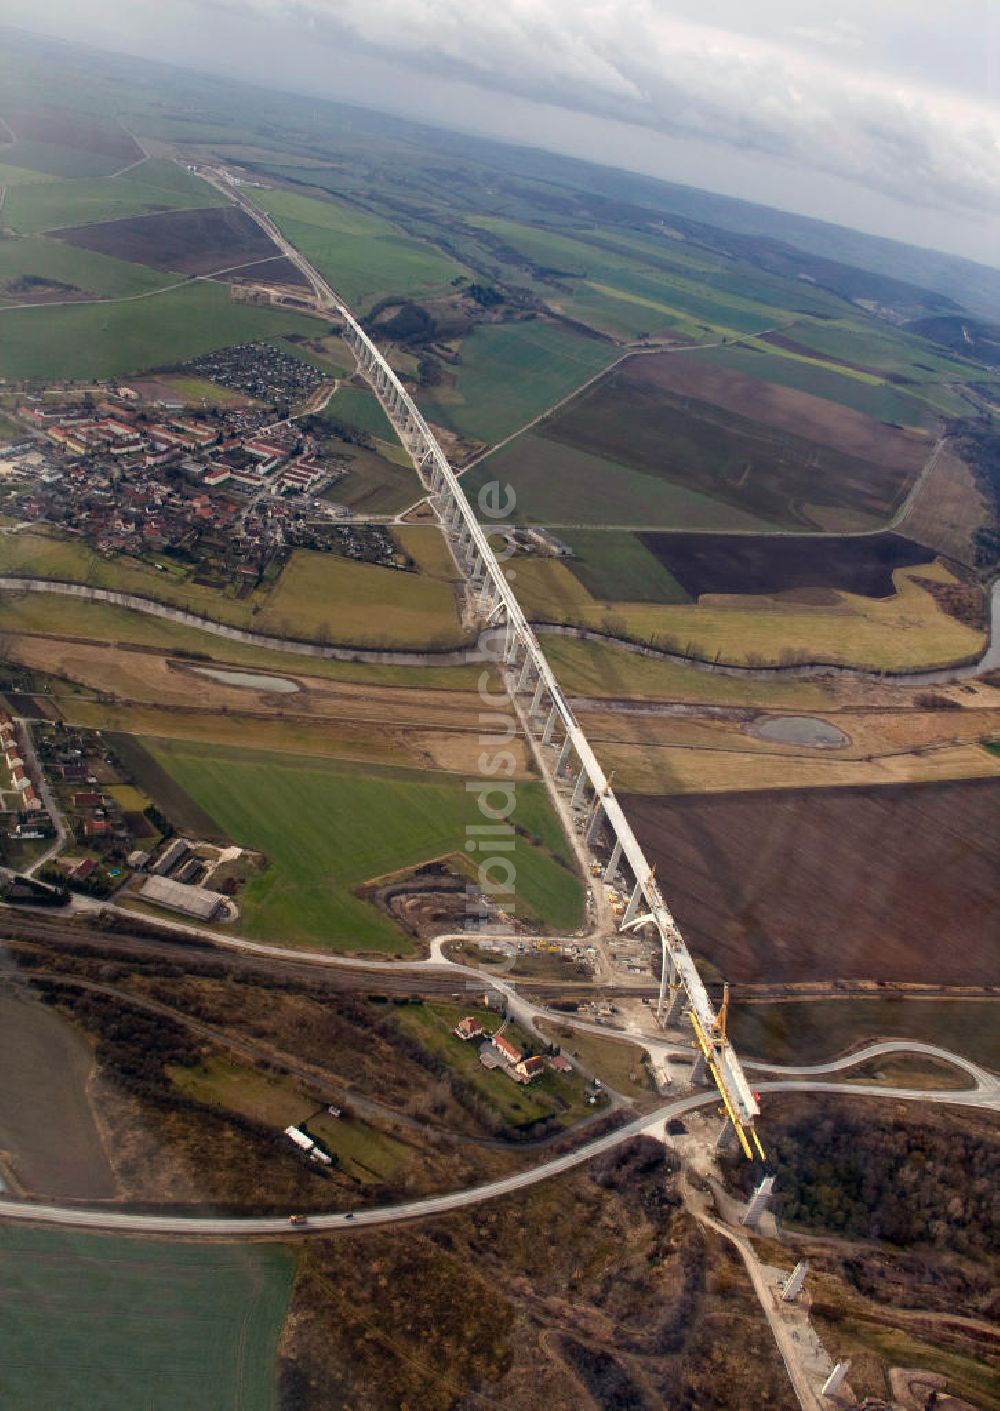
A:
(800, 730)
(253, 680)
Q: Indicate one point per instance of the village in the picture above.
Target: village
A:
(74, 817)
(223, 491)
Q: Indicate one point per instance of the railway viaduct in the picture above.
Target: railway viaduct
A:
(559, 741)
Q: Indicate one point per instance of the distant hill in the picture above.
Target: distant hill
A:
(890, 278)
(968, 336)
(973, 286)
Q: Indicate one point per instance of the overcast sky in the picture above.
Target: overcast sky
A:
(881, 114)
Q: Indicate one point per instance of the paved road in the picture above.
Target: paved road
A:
(987, 1084)
(269, 1225)
(37, 773)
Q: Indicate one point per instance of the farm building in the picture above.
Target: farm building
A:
(531, 1068)
(560, 1064)
(469, 1028)
(192, 901)
(506, 1049)
(171, 856)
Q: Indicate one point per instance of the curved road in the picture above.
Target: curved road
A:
(985, 1096)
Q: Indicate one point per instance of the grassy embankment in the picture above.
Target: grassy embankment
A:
(62, 618)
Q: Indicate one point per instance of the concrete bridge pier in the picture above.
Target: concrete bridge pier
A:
(611, 871)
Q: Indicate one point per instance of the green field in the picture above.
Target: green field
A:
(614, 565)
(656, 287)
(53, 204)
(107, 340)
(51, 159)
(360, 408)
(558, 484)
(129, 1324)
(83, 269)
(594, 669)
(19, 176)
(512, 372)
(364, 257)
(327, 828)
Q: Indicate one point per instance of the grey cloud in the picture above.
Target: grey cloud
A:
(798, 99)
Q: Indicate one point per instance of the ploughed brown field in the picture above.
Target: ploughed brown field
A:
(728, 563)
(784, 456)
(785, 409)
(894, 883)
(280, 270)
(187, 242)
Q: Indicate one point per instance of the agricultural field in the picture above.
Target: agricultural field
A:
(668, 290)
(812, 1031)
(49, 1133)
(906, 631)
(616, 564)
(327, 598)
(31, 614)
(881, 400)
(373, 483)
(36, 269)
(196, 243)
(327, 828)
(599, 669)
(897, 882)
(360, 408)
(787, 457)
(748, 564)
(511, 373)
(81, 132)
(182, 1327)
(364, 257)
(146, 190)
(569, 486)
(107, 340)
(319, 597)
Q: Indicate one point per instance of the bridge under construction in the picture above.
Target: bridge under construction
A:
(560, 744)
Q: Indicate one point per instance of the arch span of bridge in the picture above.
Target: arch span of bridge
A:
(559, 739)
